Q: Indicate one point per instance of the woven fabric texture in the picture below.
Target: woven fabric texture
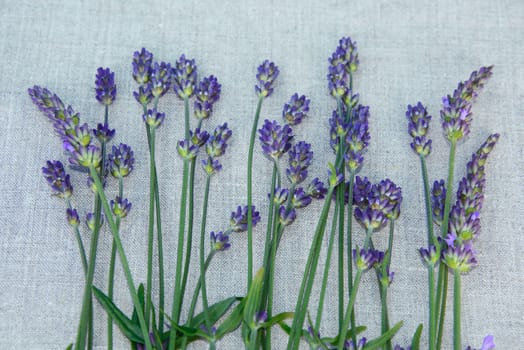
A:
(409, 51)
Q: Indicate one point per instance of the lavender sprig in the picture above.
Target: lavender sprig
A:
(184, 77)
(275, 139)
(296, 109)
(142, 66)
(267, 73)
(207, 94)
(105, 86)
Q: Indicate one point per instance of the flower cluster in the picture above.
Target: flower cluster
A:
(296, 109)
(216, 146)
(184, 77)
(464, 218)
(105, 86)
(456, 112)
(376, 204)
(342, 63)
(58, 180)
(365, 259)
(207, 94)
(267, 73)
(275, 139)
(418, 125)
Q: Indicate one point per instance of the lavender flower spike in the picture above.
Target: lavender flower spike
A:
(418, 125)
(160, 79)
(58, 180)
(121, 160)
(207, 93)
(460, 257)
(48, 102)
(300, 157)
(267, 73)
(72, 217)
(275, 139)
(105, 86)
(142, 61)
(456, 109)
(184, 77)
(296, 109)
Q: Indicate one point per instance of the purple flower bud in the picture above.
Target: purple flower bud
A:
(459, 258)
(207, 93)
(184, 77)
(362, 190)
(438, 197)
(338, 81)
(58, 180)
(143, 95)
(300, 198)
(388, 191)
(153, 118)
(105, 86)
(72, 217)
(219, 241)
(429, 255)
(296, 109)
(211, 166)
(90, 221)
(364, 259)
(160, 79)
(79, 136)
(267, 73)
(84, 156)
(300, 157)
(120, 207)
(216, 144)
(103, 133)
(121, 160)
(275, 139)
(187, 150)
(316, 189)
(239, 222)
(142, 66)
(198, 137)
(370, 218)
(286, 217)
(280, 195)
(260, 317)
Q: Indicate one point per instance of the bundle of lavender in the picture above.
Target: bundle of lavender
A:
(157, 320)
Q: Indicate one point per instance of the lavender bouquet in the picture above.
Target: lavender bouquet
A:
(158, 320)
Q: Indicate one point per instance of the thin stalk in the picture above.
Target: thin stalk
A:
(443, 269)
(86, 315)
(250, 194)
(81, 247)
(178, 276)
(327, 265)
(111, 278)
(150, 236)
(457, 340)
(349, 248)
(431, 269)
(341, 277)
(347, 317)
(190, 215)
(122, 255)
(432, 310)
(205, 304)
(159, 233)
(309, 276)
(384, 312)
(269, 226)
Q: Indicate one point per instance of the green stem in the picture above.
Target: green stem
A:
(431, 241)
(309, 276)
(457, 341)
(443, 269)
(432, 310)
(347, 317)
(159, 235)
(205, 304)
(150, 236)
(269, 226)
(111, 278)
(341, 227)
(327, 266)
(250, 194)
(349, 247)
(80, 243)
(123, 258)
(180, 246)
(384, 312)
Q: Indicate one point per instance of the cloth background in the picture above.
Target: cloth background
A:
(409, 51)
